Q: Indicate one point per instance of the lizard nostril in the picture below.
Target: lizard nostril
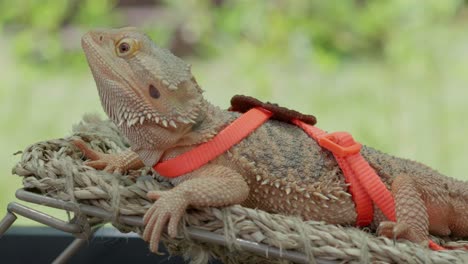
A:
(100, 38)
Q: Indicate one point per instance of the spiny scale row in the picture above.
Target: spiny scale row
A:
(132, 117)
(288, 188)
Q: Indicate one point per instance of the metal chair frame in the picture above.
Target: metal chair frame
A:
(82, 234)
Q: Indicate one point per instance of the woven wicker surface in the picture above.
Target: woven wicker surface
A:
(55, 168)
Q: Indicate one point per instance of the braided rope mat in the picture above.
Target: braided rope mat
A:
(55, 168)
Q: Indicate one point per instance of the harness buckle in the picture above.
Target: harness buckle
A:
(334, 142)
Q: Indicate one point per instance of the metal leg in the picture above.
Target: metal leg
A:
(73, 248)
(70, 251)
(6, 222)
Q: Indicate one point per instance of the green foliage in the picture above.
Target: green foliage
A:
(325, 31)
(37, 27)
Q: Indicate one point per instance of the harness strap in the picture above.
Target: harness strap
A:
(357, 173)
(366, 186)
(223, 141)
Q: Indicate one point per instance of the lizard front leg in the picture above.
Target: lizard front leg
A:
(211, 185)
(112, 163)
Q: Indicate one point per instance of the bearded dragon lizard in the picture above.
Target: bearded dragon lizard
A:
(157, 104)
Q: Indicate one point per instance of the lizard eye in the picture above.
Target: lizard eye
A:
(126, 47)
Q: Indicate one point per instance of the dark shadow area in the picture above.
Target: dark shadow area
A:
(43, 245)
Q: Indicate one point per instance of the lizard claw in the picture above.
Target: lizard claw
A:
(168, 209)
(97, 164)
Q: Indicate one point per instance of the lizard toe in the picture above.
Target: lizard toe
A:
(87, 151)
(174, 222)
(96, 164)
(154, 195)
(157, 231)
(400, 230)
(150, 221)
(393, 230)
(386, 229)
(149, 214)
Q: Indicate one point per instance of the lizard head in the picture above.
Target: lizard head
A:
(139, 82)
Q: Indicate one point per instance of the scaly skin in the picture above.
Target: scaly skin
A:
(155, 101)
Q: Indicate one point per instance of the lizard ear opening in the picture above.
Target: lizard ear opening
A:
(154, 92)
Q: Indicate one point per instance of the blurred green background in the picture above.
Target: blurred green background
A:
(391, 72)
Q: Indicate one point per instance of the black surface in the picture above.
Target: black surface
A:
(42, 245)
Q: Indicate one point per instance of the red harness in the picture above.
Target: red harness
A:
(204, 153)
(365, 187)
